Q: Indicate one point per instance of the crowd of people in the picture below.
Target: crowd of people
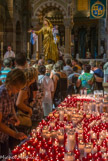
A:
(30, 91)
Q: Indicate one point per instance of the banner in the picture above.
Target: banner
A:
(97, 9)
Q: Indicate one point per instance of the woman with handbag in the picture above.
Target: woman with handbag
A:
(23, 104)
(15, 81)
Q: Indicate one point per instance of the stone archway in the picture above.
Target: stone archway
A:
(18, 37)
(49, 4)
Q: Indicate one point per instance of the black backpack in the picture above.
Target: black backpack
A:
(74, 81)
(61, 90)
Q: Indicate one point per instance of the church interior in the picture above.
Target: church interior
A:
(78, 33)
(53, 80)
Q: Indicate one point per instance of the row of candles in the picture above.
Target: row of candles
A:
(68, 134)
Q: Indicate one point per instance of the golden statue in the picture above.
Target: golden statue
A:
(50, 47)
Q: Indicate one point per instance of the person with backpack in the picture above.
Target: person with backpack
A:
(72, 78)
(60, 84)
(86, 80)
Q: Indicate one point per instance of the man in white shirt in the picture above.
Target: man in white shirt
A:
(9, 53)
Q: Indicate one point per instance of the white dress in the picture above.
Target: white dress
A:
(48, 88)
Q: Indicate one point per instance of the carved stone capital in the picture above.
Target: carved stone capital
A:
(67, 22)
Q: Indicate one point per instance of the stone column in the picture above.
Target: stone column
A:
(1, 30)
(10, 7)
(67, 24)
(9, 24)
(40, 44)
(101, 36)
(35, 24)
(14, 37)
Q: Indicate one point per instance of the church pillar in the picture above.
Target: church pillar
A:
(101, 37)
(67, 23)
(14, 38)
(10, 26)
(1, 30)
(10, 7)
(40, 44)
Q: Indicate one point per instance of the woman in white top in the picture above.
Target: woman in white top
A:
(48, 86)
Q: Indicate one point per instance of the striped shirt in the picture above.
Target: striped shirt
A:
(6, 106)
(3, 74)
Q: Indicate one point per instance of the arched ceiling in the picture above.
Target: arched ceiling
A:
(55, 11)
(53, 14)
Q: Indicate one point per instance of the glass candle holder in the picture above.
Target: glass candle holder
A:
(80, 136)
(81, 145)
(67, 127)
(48, 135)
(88, 115)
(94, 150)
(87, 150)
(53, 134)
(42, 153)
(81, 92)
(52, 124)
(85, 106)
(69, 112)
(38, 130)
(56, 114)
(60, 137)
(93, 106)
(103, 150)
(45, 130)
(85, 92)
(70, 144)
(93, 136)
(74, 121)
(69, 156)
(61, 115)
(78, 105)
(50, 114)
(104, 157)
(79, 129)
(90, 144)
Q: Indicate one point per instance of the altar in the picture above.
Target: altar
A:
(76, 130)
(92, 60)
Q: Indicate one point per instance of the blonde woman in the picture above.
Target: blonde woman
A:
(22, 102)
